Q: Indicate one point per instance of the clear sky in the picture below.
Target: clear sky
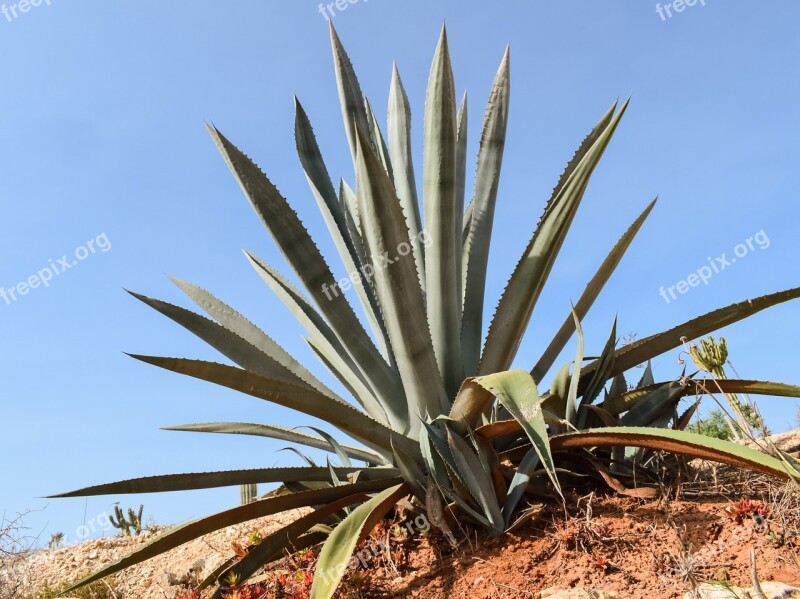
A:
(102, 138)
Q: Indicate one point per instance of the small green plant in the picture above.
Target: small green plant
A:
(255, 537)
(56, 540)
(101, 589)
(714, 425)
(130, 527)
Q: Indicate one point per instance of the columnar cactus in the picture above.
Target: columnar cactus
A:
(247, 494)
(132, 525)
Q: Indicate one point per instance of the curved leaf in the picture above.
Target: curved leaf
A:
(682, 443)
(340, 414)
(210, 480)
(278, 542)
(338, 549)
(177, 536)
(275, 432)
(640, 351)
(516, 390)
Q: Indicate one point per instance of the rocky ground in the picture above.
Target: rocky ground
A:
(150, 580)
(702, 531)
(618, 547)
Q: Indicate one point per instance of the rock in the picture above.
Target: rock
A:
(788, 442)
(771, 590)
(555, 593)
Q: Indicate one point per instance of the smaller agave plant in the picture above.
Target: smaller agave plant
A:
(435, 413)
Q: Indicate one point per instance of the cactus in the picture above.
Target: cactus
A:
(247, 494)
(127, 526)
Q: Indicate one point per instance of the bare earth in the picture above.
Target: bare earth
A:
(636, 548)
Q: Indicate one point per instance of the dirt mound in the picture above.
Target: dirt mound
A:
(638, 549)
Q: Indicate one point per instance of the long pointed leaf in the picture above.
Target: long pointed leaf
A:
(462, 130)
(275, 432)
(340, 414)
(443, 219)
(333, 362)
(376, 135)
(589, 295)
(307, 261)
(322, 188)
(209, 480)
(397, 286)
(571, 412)
(238, 324)
(520, 296)
(338, 549)
(519, 483)
(324, 338)
(230, 344)
(601, 375)
(487, 179)
(399, 132)
(350, 95)
(476, 479)
(707, 387)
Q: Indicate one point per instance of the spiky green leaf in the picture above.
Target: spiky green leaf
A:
(339, 547)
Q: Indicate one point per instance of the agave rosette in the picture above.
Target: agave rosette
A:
(433, 409)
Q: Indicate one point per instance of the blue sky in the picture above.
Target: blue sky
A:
(102, 134)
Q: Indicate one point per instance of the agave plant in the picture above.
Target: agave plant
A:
(433, 410)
